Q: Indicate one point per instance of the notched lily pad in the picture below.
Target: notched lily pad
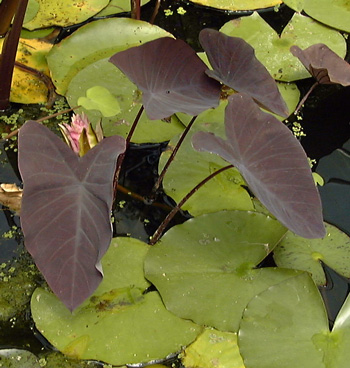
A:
(273, 50)
(305, 254)
(205, 269)
(287, 326)
(238, 5)
(119, 324)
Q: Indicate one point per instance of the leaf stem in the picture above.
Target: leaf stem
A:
(9, 50)
(172, 156)
(122, 156)
(174, 211)
(155, 12)
(302, 101)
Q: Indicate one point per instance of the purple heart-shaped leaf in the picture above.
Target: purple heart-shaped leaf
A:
(171, 77)
(235, 65)
(66, 205)
(323, 64)
(272, 162)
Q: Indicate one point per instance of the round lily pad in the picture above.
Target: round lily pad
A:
(238, 5)
(213, 349)
(117, 6)
(18, 358)
(104, 74)
(61, 12)
(190, 167)
(284, 325)
(205, 269)
(95, 41)
(119, 324)
(334, 13)
(305, 254)
(273, 50)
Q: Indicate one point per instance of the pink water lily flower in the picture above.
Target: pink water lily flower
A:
(73, 131)
(80, 135)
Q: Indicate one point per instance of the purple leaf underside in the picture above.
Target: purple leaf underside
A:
(323, 64)
(171, 77)
(236, 66)
(272, 162)
(65, 214)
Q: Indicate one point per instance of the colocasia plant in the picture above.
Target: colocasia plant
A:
(67, 198)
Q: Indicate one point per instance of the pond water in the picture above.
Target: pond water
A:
(325, 121)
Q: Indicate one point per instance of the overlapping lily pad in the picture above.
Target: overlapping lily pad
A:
(118, 324)
(205, 269)
(117, 6)
(62, 12)
(305, 254)
(18, 358)
(334, 13)
(287, 326)
(213, 349)
(103, 73)
(273, 50)
(238, 5)
(95, 41)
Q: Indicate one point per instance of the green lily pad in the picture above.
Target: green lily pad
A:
(99, 98)
(31, 11)
(18, 358)
(205, 270)
(213, 349)
(119, 324)
(238, 5)
(105, 74)
(287, 326)
(296, 5)
(305, 254)
(117, 6)
(334, 13)
(273, 50)
(62, 12)
(95, 41)
(223, 192)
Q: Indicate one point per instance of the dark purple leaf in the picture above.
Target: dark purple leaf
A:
(235, 65)
(66, 205)
(171, 77)
(323, 64)
(272, 162)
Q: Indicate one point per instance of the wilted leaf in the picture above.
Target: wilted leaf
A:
(11, 196)
(236, 66)
(323, 64)
(66, 205)
(272, 162)
(169, 83)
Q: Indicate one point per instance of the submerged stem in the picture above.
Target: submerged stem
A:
(174, 211)
(172, 156)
